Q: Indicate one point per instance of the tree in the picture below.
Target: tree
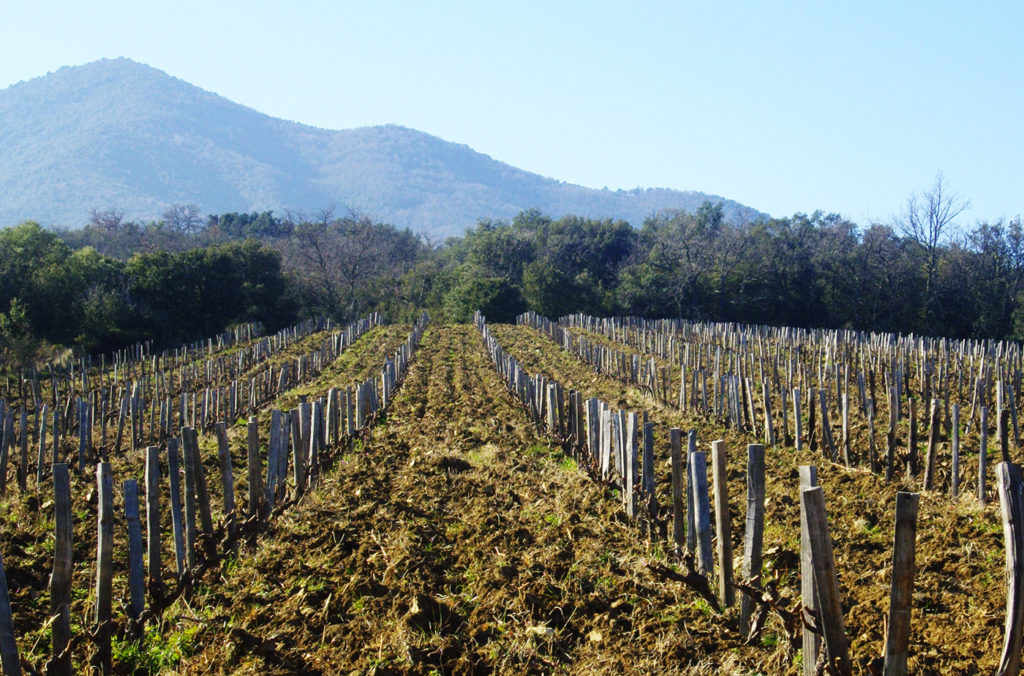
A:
(18, 343)
(109, 219)
(927, 221)
(184, 218)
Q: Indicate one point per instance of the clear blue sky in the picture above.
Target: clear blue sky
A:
(786, 107)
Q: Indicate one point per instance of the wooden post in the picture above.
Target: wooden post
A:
(726, 593)
(282, 456)
(754, 536)
(253, 461)
(846, 429)
(8, 645)
(797, 422)
(191, 537)
(174, 474)
(315, 439)
(153, 517)
(273, 446)
(826, 426)
(227, 479)
(629, 465)
(675, 436)
(811, 427)
(890, 440)
(872, 450)
(104, 567)
(60, 580)
(702, 508)
(983, 455)
(122, 416)
(1011, 502)
(898, 639)
(784, 408)
(136, 576)
(826, 584)
(933, 442)
(911, 463)
(83, 433)
(808, 594)
(647, 472)
(769, 425)
(954, 485)
(299, 451)
(202, 493)
(41, 458)
(1004, 435)
(691, 510)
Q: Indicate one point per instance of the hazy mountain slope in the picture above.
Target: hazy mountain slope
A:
(119, 133)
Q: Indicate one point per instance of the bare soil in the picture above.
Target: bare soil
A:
(452, 538)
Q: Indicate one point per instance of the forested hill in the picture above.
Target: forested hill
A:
(119, 134)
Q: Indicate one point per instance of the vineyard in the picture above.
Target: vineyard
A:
(588, 495)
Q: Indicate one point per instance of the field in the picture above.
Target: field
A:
(455, 535)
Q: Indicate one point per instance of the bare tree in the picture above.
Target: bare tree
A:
(929, 221)
(109, 219)
(185, 218)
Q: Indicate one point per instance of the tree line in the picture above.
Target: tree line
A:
(187, 276)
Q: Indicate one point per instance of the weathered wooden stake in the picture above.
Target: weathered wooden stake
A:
(153, 517)
(8, 646)
(136, 575)
(202, 493)
(647, 473)
(1004, 435)
(846, 429)
(41, 457)
(983, 455)
(954, 486)
(1011, 502)
(253, 460)
(691, 508)
(299, 451)
(726, 593)
(890, 440)
(826, 584)
(808, 594)
(754, 536)
(227, 479)
(933, 443)
(191, 536)
(797, 422)
(675, 436)
(897, 640)
(872, 450)
(702, 508)
(826, 426)
(104, 567)
(174, 474)
(60, 579)
(911, 460)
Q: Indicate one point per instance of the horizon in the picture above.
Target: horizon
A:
(861, 112)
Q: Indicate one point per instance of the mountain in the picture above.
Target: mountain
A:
(116, 133)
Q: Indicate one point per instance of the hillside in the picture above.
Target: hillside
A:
(123, 134)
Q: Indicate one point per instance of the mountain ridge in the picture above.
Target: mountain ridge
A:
(118, 133)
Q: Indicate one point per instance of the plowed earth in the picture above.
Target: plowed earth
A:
(958, 609)
(27, 524)
(452, 538)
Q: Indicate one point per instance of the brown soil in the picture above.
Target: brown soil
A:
(453, 539)
(27, 525)
(958, 613)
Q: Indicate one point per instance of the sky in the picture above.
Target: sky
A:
(846, 107)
